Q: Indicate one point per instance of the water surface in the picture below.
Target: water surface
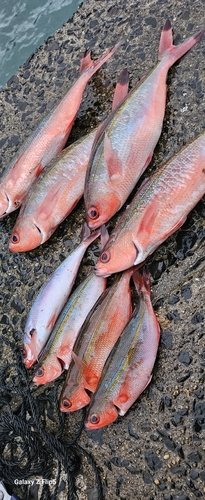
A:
(24, 25)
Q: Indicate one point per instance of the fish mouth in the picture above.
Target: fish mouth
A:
(99, 272)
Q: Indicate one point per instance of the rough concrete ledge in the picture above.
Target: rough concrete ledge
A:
(157, 449)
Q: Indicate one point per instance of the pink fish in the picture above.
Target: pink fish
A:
(51, 300)
(47, 140)
(158, 209)
(128, 369)
(125, 143)
(58, 189)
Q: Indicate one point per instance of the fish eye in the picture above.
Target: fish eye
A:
(93, 213)
(105, 256)
(66, 403)
(16, 203)
(15, 238)
(40, 372)
(94, 418)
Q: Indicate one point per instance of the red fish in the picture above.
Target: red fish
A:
(158, 209)
(58, 189)
(47, 140)
(128, 369)
(125, 143)
(95, 341)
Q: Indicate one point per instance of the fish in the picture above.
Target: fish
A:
(58, 189)
(158, 209)
(124, 145)
(95, 341)
(51, 299)
(56, 355)
(47, 140)
(128, 369)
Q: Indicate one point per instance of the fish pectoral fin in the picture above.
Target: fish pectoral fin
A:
(51, 321)
(121, 89)
(148, 218)
(91, 382)
(49, 203)
(112, 160)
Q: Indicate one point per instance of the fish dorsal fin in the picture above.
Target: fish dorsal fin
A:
(121, 89)
(148, 218)
(112, 160)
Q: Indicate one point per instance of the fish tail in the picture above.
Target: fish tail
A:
(88, 65)
(173, 52)
(142, 280)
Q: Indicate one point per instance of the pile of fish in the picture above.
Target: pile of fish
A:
(108, 349)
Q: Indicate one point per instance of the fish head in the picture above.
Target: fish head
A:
(99, 211)
(118, 255)
(101, 415)
(26, 235)
(75, 399)
(48, 371)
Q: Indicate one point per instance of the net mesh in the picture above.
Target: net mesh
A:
(29, 449)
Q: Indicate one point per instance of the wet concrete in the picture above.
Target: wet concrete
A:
(157, 449)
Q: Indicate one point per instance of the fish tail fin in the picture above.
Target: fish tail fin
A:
(142, 280)
(173, 52)
(121, 89)
(87, 64)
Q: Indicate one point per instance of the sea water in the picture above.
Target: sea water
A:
(24, 25)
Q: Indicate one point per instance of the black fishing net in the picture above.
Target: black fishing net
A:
(39, 458)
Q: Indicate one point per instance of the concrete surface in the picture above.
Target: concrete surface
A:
(157, 449)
